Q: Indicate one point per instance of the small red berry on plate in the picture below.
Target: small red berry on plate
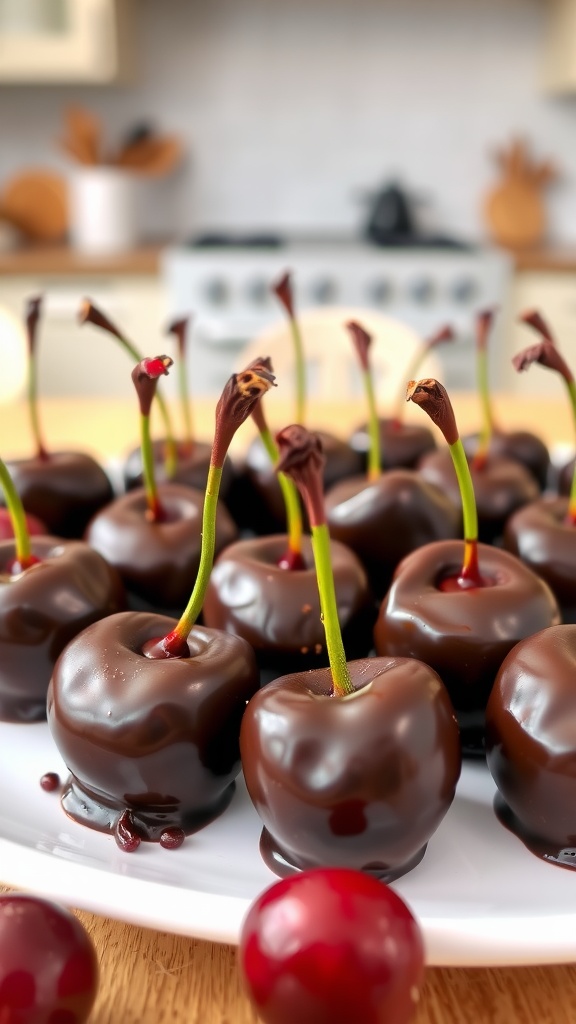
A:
(48, 966)
(332, 946)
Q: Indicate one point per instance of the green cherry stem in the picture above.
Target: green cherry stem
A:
(362, 342)
(433, 398)
(179, 328)
(284, 292)
(302, 459)
(546, 354)
(89, 313)
(241, 393)
(33, 308)
(24, 557)
(292, 559)
(444, 333)
(145, 379)
(483, 326)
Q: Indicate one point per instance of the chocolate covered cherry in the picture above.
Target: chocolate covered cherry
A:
(155, 737)
(461, 607)
(543, 536)
(146, 712)
(353, 765)
(41, 609)
(531, 746)
(48, 965)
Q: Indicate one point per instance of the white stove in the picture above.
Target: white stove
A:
(227, 291)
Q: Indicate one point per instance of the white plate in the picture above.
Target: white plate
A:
(480, 896)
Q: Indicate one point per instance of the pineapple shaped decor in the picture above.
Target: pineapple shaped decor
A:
(514, 208)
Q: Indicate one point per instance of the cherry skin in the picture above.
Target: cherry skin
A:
(34, 525)
(48, 965)
(331, 946)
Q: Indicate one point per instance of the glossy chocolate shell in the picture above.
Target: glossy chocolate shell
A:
(361, 781)
(402, 445)
(158, 562)
(158, 738)
(278, 610)
(519, 445)
(64, 490)
(531, 743)
(191, 470)
(41, 610)
(464, 634)
(543, 540)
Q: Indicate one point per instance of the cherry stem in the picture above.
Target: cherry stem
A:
(434, 399)
(546, 354)
(284, 292)
(89, 313)
(179, 328)
(24, 556)
(145, 379)
(445, 333)
(302, 459)
(155, 510)
(290, 495)
(241, 393)
(32, 316)
(483, 325)
(470, 570)
(362, 342)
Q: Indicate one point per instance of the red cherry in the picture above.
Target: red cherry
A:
(332, 946)
(48, 966)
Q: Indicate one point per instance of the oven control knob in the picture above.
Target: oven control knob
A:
(380, 292)
(216, 292)
(463, 290)
(421, 290)
(258, 291)
(323, 290)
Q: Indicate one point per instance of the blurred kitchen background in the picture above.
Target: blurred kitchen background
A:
(415, 157)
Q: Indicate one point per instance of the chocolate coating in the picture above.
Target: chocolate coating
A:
(519, 445)
(402, 445)
(361, 781)
(192, 466)
(64, 490)
(158, 738)
(531, 744)
(540, 536)
(464, 634)
(278, 610)
(41, 610)
(565, 477)
(385, 519)
(158, 562)
(264, 505)
(501, 486)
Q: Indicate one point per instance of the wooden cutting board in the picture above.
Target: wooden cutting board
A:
(36, 202)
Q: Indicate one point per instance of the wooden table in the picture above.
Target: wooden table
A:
(149, 977)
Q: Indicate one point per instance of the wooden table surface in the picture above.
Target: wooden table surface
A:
(149, 977)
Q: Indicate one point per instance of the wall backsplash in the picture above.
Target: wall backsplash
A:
(291, 111)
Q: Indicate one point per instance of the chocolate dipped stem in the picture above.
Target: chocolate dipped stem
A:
(145, 379)
(443, 334)
(241, 393)
(32, 316)
(362, 342)
(283, 290)
(179, 328)
(24, 557)
(546, 354)
(89, 313)
(483, 325)
(302, 459)
(291, 559)
(433, 398)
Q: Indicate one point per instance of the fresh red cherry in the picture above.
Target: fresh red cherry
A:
(332, 946)
(48, 965)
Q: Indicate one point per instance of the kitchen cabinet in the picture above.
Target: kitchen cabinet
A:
(82, 360)
(553, 293)
(559, 63)
(57, 41)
